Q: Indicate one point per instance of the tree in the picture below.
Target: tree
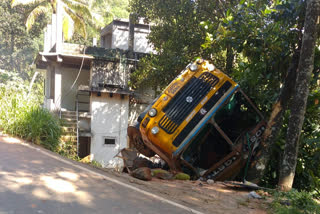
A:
(103, 12)
(258, 42)
(179, 37)
(298, 107)
(276, 118)
(76, 14)
(17, 47)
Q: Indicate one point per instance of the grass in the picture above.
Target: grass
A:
(294, 202)
(22, 115)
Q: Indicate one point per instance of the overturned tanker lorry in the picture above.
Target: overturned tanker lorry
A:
(202, 124)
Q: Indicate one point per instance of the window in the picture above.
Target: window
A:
(237, 117)
(109, 141)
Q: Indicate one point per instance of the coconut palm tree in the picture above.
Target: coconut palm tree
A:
(76, 14)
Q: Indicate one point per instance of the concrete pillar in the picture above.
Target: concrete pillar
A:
(49, 44)
(57, 87)
(59, 35)
(53, 30)
(131, 35)
(47, 83)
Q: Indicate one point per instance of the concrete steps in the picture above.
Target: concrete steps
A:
(69, 126)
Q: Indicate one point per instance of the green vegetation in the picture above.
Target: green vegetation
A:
(69, 150)
(18, 48)
(75, 16)
(254, 42)
(21, 114)
(294, 202)
(21, 39)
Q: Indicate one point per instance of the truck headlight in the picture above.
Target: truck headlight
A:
(155, 130)
(211, 67)
(152, 112)
(193, 67)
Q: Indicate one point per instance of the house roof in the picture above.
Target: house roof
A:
(70, 60)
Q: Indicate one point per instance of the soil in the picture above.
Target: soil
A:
(217, 197)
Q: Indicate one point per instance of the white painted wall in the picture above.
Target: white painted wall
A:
(120, 36)
(57, 87)
(141, 42)
(109, 118)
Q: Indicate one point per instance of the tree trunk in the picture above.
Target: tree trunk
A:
(229, 60)
(260, 162)
(275, 122)
(12, 44)
(298, 105)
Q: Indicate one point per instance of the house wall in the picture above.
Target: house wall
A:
(68, 76)
(141, 43)
(109, 118)
(47, 83)
(120, 36)
(57, 87)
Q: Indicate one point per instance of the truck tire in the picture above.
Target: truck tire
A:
(137, 142)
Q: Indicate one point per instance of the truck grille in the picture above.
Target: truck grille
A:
(198, 117)
(186, 100)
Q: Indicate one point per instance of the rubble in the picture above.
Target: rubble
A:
(143, 173)
(210, 181)
(253, 194)
(162, 174)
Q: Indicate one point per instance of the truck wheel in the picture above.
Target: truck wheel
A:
(142, 148)
(137, 142)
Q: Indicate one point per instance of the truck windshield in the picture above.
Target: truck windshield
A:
(237, 116)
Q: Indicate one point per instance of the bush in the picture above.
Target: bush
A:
(294, 202)
(68, 149)
(21, 114)
(39, 126)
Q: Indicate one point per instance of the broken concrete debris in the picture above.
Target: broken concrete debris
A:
(253, 194)
(210, 181)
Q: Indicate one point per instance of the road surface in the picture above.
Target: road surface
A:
(33, 180)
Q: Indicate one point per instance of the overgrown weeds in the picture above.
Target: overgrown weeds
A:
(294, 202)
(21, 114)
(69, 150)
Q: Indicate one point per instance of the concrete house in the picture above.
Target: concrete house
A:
(88, 86)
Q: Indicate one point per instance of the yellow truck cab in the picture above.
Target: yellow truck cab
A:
(203, 123)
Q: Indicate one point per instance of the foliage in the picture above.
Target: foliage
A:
(176, 37)
(76, 14)
(69, 150)
(38, 125)
(21, 114)
(103, 12)
(294, 202)
(96, 164)
(260, 36)
(17, 47)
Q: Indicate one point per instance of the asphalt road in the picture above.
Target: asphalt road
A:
(34, 181)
